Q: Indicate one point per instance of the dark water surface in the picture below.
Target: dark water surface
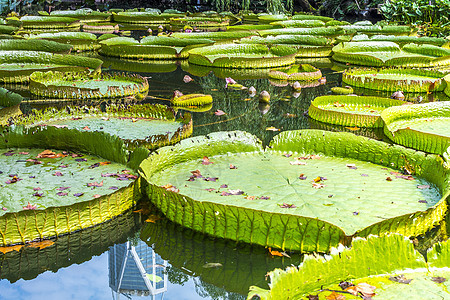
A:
(98, 262)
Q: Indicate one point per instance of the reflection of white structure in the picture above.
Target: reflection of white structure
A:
(136, 271)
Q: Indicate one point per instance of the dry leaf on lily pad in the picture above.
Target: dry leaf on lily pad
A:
(439, 279)
(41, 245)
(365, 289)
(335, 296)
(206, 161)
(400, 279)
(352, 128)
(50, 154)
(7, 249)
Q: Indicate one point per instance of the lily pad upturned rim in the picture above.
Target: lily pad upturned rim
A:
(355, 77)
(201, 216)
(41, 84)
(391, 254)
(29, 225)
(420, 140)
(349, 118)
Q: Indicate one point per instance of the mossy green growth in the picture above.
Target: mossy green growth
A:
(347, 110)
(395, 79)
(82, 85)
(302, 72)
(376, 263)
(200, 184)
(420, 126)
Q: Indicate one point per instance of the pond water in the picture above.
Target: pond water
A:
(107, 261)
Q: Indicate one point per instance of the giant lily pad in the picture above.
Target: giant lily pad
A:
(221, 35)
(48, 192)
(35, 45)
(388, 267)
(200, 21)
(303, 72)
(360, 111)
(83, 85)
(406, 80)
(242, 56)
(146, 125)
(317, 31)
(401, 40)
(17, 66)
(47, 22)
(149, 48)
(144, 17)
(83, 14)
(309, 191)
(79, 40)
(389, 54)
(306, 45)
(420, 126)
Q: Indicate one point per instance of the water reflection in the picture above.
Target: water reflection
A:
(136, 270)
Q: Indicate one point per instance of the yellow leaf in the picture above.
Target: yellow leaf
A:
(271, 128)
(7, 249)
(153, 219)
(352, 128)
(42, 244)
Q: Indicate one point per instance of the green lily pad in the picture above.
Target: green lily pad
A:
(83, 85)
(335, 196)
(154, 278)
(146, 125)
(80, 41)
(401, 40)
(382, 267)
(192, 100)
(17, 66)
(48, 213)
(48, 22)
(241, 56)
(387, 54)
(35, 45)
(144, 17)
(420, 126)
(132, 49)
(48, 182)
(390, 79)
(347, 110)
(302, 72)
